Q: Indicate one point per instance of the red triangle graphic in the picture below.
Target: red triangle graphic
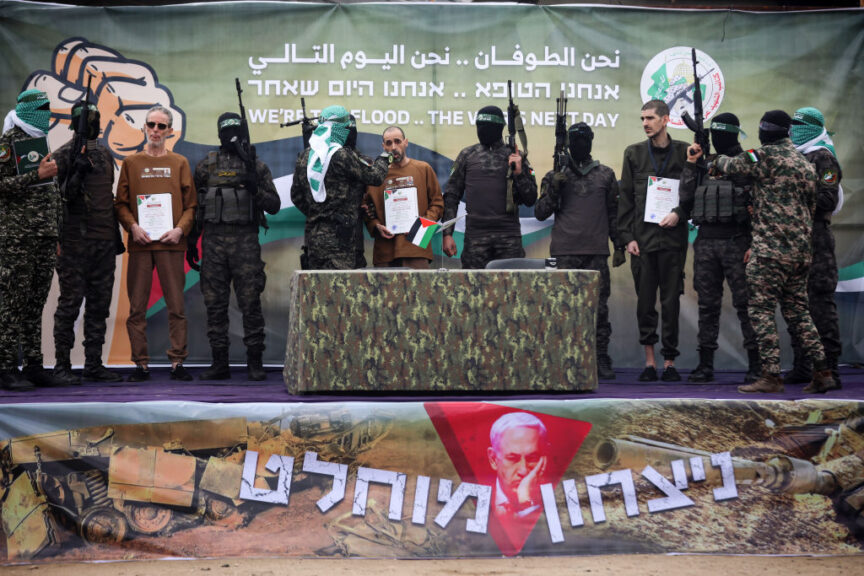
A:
(463, 428)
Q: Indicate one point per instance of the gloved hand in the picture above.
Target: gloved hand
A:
(82, 166)
(367, 209)
(619, 257)
(192, 256)
(558, 180)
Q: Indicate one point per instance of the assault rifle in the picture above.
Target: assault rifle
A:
(560, 157)
(514, 125)
(309, 124)
(73, 181)
(247, 153)
(696, 123)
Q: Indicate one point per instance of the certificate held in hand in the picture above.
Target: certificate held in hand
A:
(155, 214)
(661, 198)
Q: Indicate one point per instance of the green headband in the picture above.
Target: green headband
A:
(728, 128)
(806, 119)
(229, 122)
(492, 118)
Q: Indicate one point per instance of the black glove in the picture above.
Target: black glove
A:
(619, 257)
(192, 256)
(82, 166)
(367, 209)
(558, 180)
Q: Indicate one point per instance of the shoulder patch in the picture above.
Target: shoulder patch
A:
(5, 153)
(753, 156)
(829, 177)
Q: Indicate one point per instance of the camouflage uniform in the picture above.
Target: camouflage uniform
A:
(479, 174)
(585, 209)
(332, 225)
(231, 252)
(718, 254)
(822, 281)
(30, 221)
(87, 262)
(784, 198)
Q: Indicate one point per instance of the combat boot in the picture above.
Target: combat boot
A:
(754, 366)
(12, 380)
(255, 366)
(219, 369)
(98, 373)
(768, 382)
(822, 380)
(802, 370)
(835, 372)
(63, 375)
(604, 367)
(704, 372)
(39, 377)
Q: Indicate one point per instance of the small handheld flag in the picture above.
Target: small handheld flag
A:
(421, 232)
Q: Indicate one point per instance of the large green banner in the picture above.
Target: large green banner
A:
(89, 482)
(429, 68)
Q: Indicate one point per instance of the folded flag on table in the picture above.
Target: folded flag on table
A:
(421, 232)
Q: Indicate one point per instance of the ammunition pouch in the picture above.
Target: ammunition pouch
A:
(228, 206)
(720, 202)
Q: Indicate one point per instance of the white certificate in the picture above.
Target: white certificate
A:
(662, 197)
(155, 214)
(400, 209)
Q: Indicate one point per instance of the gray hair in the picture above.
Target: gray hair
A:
(163, 110)
(514, 420)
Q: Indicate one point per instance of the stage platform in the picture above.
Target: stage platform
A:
(239, 390)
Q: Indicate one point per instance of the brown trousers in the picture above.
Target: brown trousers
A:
(139, 280)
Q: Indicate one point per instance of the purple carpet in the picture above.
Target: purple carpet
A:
(626, 386)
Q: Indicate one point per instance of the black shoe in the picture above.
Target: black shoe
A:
(801, 373)
(670, 374)
(139, 375)
(604, 367)
(700, 374)
(100, 374)
(40, 377)
(12, 380)
(180, 373)
(604, 373)
(216, 372)
(649, 374)
(64, 376)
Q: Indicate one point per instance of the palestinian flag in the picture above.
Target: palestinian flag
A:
(421, 232)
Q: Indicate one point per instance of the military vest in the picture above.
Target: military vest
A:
(227, 199)
(720, 202)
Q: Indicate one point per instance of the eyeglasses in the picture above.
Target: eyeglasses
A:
(159, 125)
(395, 141)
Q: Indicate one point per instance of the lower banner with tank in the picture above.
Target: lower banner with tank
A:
(88, 482)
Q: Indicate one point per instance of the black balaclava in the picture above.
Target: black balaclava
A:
(724, 132)
(230, 132)
(490, 125)
(774, 126)
(351, 141)
(93, 119)
(580, 137)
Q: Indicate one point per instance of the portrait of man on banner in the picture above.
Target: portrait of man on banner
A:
(518, 452)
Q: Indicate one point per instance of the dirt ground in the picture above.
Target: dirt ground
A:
(642, 565)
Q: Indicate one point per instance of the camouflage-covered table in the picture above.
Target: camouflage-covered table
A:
(410, 331)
